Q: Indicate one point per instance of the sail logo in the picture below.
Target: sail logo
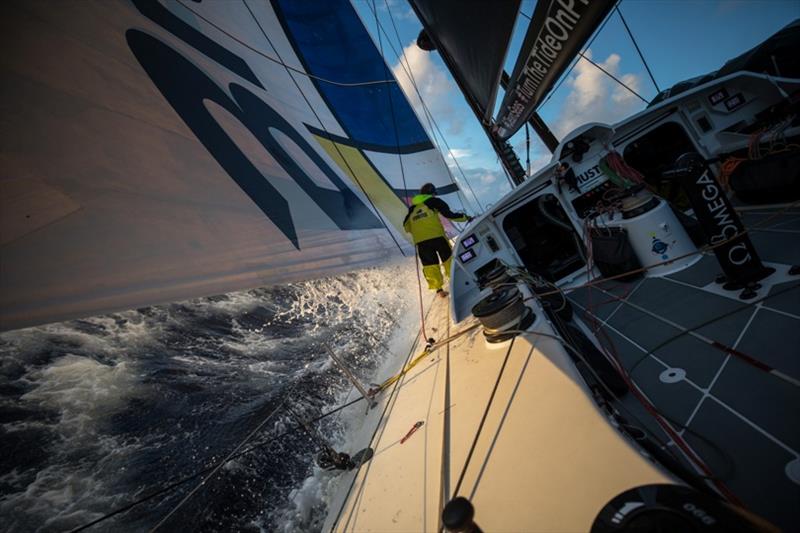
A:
(588, 178)
(561, 27)
(188, 89)
(726, 228)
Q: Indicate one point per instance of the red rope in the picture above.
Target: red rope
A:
(611, 352)
(623, 169)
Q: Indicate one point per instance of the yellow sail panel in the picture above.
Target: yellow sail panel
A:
(352, 161)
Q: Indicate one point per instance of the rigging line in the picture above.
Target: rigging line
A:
(527, 149)
(458, 166)
(641, 55)
(419, 287)
(335, 145)
(675, 436)
(401, 56)
(483, 419)
(407, 69)
(406, 201)
(607, 73)
(621, 408)
(505, 171)
(612, 354)
(730, 350)
(178, 482)
(701, 250)
(227, 458)
(379, 425)
(279, 61)
(459, 194)
(444, 477)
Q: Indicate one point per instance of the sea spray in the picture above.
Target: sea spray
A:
(97, 412)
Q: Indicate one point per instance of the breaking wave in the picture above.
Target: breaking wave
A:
(95, 413)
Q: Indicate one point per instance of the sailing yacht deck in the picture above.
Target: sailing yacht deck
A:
(738, 416)
(514, 428)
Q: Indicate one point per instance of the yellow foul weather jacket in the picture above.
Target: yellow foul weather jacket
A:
(422, 221)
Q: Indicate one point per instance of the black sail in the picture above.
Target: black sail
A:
(558, 30)
(472, 37)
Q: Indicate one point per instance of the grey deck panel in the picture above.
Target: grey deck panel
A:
(761, 220)
(774, 339)
(701, 273)
(748, 449)
(784, 300)
(777, 247)
(601, 303)
(689, 307)
(757, 473)
(697, 358)
(762, 398)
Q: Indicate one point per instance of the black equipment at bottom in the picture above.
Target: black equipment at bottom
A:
(653, 508)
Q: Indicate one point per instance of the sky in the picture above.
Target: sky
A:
(680, 39)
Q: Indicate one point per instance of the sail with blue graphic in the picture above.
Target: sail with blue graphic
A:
(161, 150)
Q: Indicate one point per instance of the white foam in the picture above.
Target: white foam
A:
(62, 493)
(399, 305)
(85, 392)
(82, 390)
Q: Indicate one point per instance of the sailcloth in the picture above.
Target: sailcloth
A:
(155, 151)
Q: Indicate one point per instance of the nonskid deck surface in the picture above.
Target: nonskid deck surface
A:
(511, 427)
(672, 335)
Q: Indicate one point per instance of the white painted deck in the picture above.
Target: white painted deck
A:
(546, 458)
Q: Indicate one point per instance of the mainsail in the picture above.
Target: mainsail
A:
(154, 151)
(556, 33)
(472, 38)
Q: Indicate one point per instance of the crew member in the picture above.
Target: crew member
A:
(422, 222)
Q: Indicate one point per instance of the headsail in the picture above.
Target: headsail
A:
(159, 151)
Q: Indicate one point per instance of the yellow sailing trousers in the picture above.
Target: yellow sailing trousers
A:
(430, 253)
(433, 274)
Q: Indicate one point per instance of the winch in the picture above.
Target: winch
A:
(638, 203)
(503, 314)
(496, 277)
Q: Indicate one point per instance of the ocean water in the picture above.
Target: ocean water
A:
(95, 413)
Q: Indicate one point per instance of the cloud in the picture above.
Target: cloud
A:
(488, 184)
(539, 161)
(456, 154)
(488, 178)
(434, 85)
(595, 97)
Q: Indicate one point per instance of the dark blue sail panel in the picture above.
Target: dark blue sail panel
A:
(333, 44)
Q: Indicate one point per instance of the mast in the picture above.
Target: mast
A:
(467, 34)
